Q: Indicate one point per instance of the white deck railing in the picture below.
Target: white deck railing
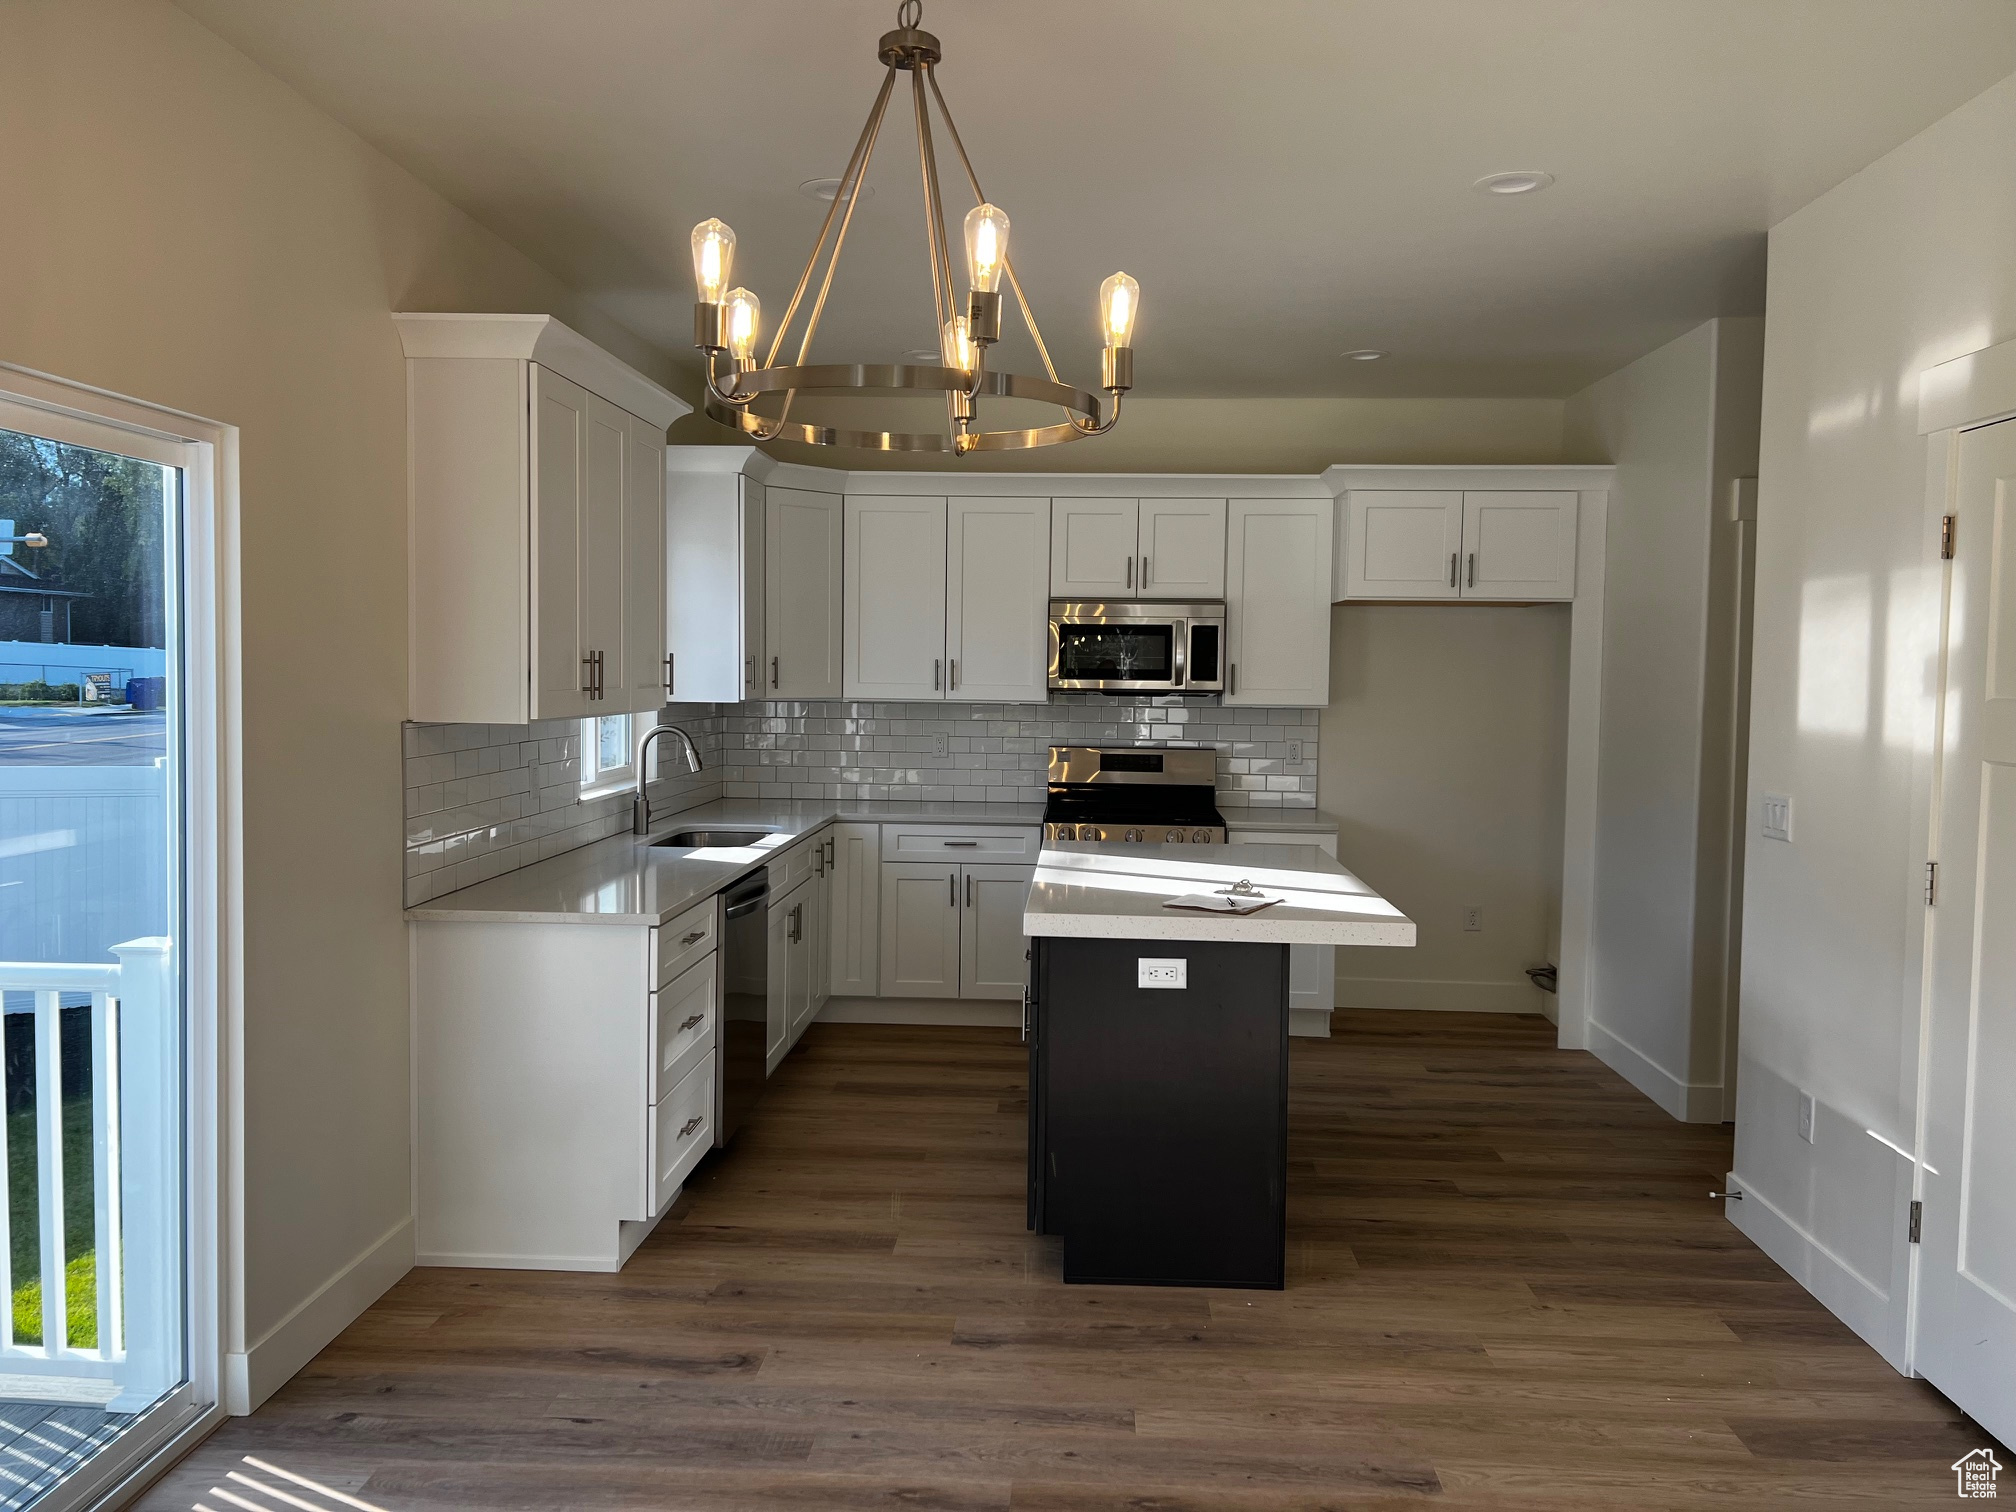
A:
(136, 1131)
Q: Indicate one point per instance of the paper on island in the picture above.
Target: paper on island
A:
(1220, 903)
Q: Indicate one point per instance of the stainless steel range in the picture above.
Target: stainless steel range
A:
(1141, 795)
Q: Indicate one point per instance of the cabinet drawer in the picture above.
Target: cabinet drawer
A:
(795, 864)
(683, 1020)
(686, 939)
(960, 842)
(682, 1130)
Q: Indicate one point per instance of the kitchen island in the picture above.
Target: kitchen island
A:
(1158, 1053)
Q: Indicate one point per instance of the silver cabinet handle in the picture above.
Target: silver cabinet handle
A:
(749, 673)
(937, 672)
(690, 1125)
(819, 859)
(698, 934)
(773, 671)
(952, 680)
(1232, 682)
(1025, 1013)
(1473, 569)
(952, 891)
(797, 922)
(689, 1023)
(1130, 572)
(969, 889)
(668, 675)
(1452, 568)
(962, 844)
(1144, 572)
(831, 863)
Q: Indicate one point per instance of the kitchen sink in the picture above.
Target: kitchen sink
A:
(710, 839)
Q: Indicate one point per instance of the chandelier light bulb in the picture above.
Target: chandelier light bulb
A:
(986, 246)
(713, 259)
(956, 346)
(744, 315)
(1119, 303)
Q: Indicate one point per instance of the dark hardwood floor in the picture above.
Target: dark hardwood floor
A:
(1506, 1289)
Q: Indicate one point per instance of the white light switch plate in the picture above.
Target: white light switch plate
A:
(1778, 817)
(1170, 972)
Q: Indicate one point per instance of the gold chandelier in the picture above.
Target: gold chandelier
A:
(725, 320)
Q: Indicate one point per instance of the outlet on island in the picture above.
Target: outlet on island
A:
(1473, 919)
(1170, 972)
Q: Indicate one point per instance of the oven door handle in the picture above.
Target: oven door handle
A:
(1181, 640)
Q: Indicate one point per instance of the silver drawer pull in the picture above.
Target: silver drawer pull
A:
(695, 1019)
(963, 844)
(698, 934)
(690, 1125)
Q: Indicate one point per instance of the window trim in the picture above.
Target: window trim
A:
(607, 780)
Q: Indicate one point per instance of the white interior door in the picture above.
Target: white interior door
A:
(894, 636)
(644, 569)
(559, 447)
(1092, 545)
(1519, 544)
(997, 604)
(1966, 1299)
(1182, 549)
(801, 594)
(1402, 543)
(992, 961)
(920, 929)
(1277, 602)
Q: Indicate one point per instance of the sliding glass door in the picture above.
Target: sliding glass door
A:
(95, 804)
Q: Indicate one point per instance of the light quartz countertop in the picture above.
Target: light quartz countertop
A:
(624, 880)
(1089, 891)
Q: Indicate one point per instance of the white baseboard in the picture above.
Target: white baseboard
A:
(272, 1361)
(1841, 1289)
(1006, 1013)
(1689, 1102)
(1415, 994)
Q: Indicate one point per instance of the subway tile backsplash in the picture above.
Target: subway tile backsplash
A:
(482, 800)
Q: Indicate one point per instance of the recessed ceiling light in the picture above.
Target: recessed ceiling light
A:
(1520, 181)
(828, 190)
(924, 355)
(1365, 354)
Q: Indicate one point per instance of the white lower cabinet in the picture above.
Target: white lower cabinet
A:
(855, 910)
(920, 929)
(993, 960)
(682, 1130)
(791, 978)
(684, 1022)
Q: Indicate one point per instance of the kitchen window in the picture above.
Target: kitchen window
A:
(606, 755)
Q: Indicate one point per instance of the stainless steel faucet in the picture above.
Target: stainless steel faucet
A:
(640, 804)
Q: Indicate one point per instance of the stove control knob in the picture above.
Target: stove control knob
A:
(1134, 835)
(1174, 837)
(1202, 837)
(1088, 832)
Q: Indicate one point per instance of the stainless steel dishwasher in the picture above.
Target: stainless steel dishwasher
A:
(745, 971)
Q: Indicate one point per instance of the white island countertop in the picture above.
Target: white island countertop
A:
(1116, 892)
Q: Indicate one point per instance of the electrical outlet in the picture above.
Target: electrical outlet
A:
(1473, 919)
(1778, 817)
(1167, 972)
(1806, 1116)
(941, 744)
(1295, 753)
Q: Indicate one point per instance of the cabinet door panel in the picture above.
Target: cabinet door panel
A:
(920, 930)
(801, 594)
(752, 589)
(1519, 545)
(991, 944)
(605, 500)
(1402, 543)
(777, 1016)
(1182, 549)
(559, 457)
(644, 642)
(997, 608)
(799, 909)
(1277, 602)
(895, 601)
(856, 909)
(1092, 545)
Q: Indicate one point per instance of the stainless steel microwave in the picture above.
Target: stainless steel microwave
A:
(1137, 647)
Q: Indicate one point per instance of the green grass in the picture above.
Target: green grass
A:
(80, 1280)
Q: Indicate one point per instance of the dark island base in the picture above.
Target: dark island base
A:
(1158, 1118)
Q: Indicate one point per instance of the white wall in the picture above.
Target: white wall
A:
(1443, 758)
(1908, 263)
(1678, 423)
(183, 228)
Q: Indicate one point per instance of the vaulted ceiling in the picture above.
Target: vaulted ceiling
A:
(1289, 179)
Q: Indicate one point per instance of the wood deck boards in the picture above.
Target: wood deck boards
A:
(40, 1444)
(1506, 1290)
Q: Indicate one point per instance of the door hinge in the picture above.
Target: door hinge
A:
(1949, 531)
(1931, 883)
(1917, 1220)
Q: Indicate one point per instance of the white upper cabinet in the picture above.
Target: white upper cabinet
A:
(526, 469)
(893, 642)
(801, 594)
(1277, 602)
(1519, 545)
(1403, 543)
(1093, 548)
(1506, 545)
(713, 575)
(645, 665)
(997, 601)
(1182, 549)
